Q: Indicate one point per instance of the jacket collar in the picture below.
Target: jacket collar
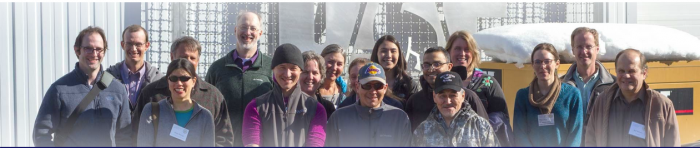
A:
(425, 85)
(168, 102)
(369, 113)
(603, 73)
(230, 62)
(151, 72)
(464, 113)
(83, 77)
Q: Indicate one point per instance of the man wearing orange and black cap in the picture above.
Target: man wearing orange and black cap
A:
(369, 122)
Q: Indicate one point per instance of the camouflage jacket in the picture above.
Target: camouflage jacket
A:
(467, 130)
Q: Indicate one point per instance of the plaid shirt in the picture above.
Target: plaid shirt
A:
(205, 95)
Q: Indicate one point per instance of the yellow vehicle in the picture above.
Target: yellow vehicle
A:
(678, 80)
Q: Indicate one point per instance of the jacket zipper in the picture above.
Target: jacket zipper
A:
(374, 136)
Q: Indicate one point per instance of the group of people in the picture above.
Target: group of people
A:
(297, 99)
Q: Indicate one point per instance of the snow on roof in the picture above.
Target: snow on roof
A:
(514, 43)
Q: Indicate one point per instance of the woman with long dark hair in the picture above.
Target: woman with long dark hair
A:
(388, 53)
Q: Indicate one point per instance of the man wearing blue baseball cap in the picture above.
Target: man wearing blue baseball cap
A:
(369, 122)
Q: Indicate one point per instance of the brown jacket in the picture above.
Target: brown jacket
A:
(659, 116)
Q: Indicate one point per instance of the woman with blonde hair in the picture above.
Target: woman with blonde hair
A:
(464, 54)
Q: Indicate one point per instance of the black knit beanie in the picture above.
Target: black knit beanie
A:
(287, 53)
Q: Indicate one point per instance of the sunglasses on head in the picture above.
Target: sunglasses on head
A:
(376, 86)
(181, 78)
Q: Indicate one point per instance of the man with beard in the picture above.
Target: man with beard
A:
(244, 73)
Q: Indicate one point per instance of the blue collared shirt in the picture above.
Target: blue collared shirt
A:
(132, 81)
(585, 88)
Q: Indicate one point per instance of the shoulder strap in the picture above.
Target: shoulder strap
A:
(104, 82)
(155, 111)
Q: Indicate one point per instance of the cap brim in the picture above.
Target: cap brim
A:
(452, 87)
(370, 79)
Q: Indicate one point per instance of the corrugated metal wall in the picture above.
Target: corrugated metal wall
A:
(36, 42)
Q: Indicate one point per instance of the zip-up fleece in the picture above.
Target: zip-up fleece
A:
(286, 124)
(105, 122)
(200, 126)
(358, 126)
(240, 87)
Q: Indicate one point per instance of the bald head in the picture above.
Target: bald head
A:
(630, 66)
(632, 55)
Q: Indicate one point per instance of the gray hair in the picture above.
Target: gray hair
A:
(241, 13)
(311, 55)
(332, 48)
(192, 43)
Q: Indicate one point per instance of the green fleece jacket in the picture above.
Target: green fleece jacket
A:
(240, 87)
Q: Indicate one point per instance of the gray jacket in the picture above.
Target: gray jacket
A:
(152, 74)
(606, 80)
(355, 126)
(200, 126)
(105, 122)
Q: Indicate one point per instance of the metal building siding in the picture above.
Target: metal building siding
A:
(684, 16)
(36, 42)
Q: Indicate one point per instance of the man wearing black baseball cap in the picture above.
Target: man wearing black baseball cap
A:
(436, 60)
(461, 125)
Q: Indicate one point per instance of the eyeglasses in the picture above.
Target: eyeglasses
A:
(130, 44)
(376, 86)
(251, 28)
(181, 78)
(545, 62)
(431, 65)
(92, 50)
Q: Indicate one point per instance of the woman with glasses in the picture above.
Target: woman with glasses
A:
(179, 120)
(548, 112)
(388, 53)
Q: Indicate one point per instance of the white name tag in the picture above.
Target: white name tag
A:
(179, 132)
(546, 119)
(637, 130)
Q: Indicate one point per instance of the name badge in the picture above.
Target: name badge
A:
(546, 119)
(637, 130)
(179, 132)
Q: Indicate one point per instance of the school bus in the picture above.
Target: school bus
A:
(678, 80)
